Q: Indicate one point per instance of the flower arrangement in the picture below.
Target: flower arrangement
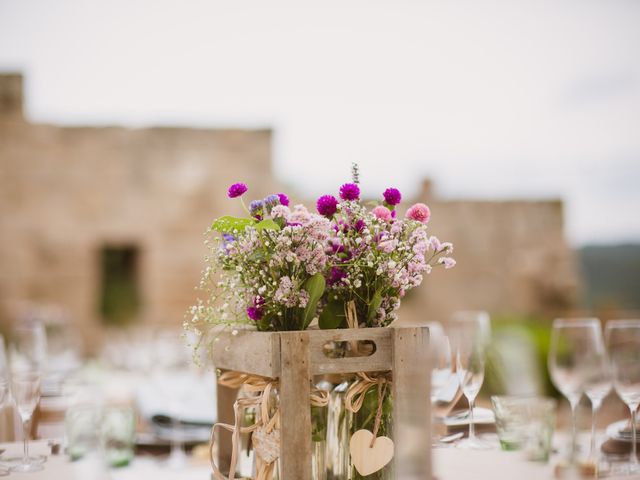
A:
(282, 266)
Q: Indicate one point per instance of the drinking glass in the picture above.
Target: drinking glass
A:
(442, 372)
(173, 380)
(472, 335)
(597, 384)
(25, 389)
(28, 347)
(574, 345)
(4, 391)
(623, 340)
(27, 358)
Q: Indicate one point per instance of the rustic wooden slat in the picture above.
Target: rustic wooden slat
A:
(411, 403)
(225, 399)
(248, 352)
(380, 360)
(295, 388)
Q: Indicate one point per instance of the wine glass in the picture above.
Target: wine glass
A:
(597, 384)
(442, 372)
(172, 377)
(472, 332)
(27, 357)
(574, 345)
(25, 389)
(623, 340)
(28, 347)
(4, 390)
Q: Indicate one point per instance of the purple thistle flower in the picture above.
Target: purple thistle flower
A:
(237, 190)
(327, 205)
(349, 191)
(359, 226)
(271, 200)
(392, 196)
(255, 208)
(284, 200)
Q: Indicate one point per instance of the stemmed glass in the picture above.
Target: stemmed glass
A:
(623, 340)
(442, 372)
(27, 357)
(472, 333)
(575, 343)
(4, 390)
(597, 384)
(172, 378)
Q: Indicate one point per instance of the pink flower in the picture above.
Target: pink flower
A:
(419, 212)
(448, 262)
(382, 212)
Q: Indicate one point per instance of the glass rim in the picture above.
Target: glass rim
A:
(630, 322)
(576, 322)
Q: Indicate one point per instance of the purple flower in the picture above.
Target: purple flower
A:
(254, 313)
(349, 191)
(336, 276)
(327, 205)
(284, 200)
(271, 200)
(359, 226)
(392, 196)
(237, 190)
(255, 208)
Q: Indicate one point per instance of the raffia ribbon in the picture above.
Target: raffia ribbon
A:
(266, 427)
(356, 393)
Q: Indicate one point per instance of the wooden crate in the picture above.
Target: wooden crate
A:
(295, 357)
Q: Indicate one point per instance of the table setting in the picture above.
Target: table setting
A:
(312, 377)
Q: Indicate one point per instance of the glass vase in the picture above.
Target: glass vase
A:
(365, 419)
(339, 420)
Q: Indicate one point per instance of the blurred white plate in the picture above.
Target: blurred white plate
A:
(481, 416)
(617, 431)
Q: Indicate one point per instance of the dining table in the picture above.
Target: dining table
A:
(449, 463)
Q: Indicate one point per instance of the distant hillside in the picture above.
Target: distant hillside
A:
(611, 276)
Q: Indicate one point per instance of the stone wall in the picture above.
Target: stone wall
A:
(512, 259)
(67, 192)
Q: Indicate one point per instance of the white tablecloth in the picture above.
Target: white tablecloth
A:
(449, 464)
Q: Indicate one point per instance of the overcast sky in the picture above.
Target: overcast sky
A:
(491, 99)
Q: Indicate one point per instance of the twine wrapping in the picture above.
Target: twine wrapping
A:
(266, 429)
(356, 393)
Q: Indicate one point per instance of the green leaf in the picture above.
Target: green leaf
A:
(314, 286)
(332, 315)
(374, 305)
(228, 224)
(267, 224)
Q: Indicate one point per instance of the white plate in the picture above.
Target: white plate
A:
(614, 431)
(481, 416)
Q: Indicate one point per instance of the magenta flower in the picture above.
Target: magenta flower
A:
(382, 212)
(349, 191)
(327, 205)
(254, 313)
(392, 196)
(419, 212)
(284, 200)
(336, 276)
(237, 190)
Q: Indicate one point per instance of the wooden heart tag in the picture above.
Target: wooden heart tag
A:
(366, 458)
